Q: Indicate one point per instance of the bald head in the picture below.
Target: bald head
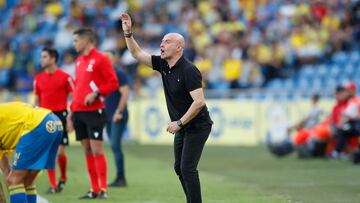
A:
(176, 37)
(172, 47)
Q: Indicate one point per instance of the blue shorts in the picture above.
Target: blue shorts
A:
(37, 149)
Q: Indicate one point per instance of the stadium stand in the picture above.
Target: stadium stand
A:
(237, 44)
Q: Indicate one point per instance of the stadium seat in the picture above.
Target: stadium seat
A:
(321, 70)
(275, 84)
(339, 57)
(289, 84)
(354, 56)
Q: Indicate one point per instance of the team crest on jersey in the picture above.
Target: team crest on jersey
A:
(90, 66)
(51, 126)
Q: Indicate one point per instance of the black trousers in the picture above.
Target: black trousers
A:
(188, 146)
(343, 133)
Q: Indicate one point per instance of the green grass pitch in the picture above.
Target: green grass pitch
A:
(228, 175)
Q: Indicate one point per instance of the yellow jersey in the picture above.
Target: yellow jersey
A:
(17, 119)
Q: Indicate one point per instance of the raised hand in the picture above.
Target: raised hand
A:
(126, 22)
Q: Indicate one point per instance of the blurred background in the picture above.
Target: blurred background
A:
(253, 54)
(261, 61)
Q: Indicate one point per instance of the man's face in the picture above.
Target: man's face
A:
(80, 43)
(46, 60)
(342, 95)
(168, 47)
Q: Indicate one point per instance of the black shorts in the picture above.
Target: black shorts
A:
(89, 124)
(62, 116)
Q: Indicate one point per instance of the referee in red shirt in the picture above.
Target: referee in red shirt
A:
(52, 88)
(95, 79)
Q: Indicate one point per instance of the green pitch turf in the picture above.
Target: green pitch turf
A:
(228, 174)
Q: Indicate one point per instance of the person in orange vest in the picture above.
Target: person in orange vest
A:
(347, 133)
(316, 141)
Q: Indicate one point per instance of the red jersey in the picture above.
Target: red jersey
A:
(353, 108)
(336, 112)
(53, 89)
(319, 11)
(93, 72)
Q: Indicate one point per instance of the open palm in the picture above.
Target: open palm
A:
(126, 22)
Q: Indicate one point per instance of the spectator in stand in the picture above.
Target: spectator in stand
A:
(6, 64)
(305, 30)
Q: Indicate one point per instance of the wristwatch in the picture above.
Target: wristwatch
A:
(97, 94)
(179, 123)
(127, 35)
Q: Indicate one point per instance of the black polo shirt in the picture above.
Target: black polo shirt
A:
(178, 82)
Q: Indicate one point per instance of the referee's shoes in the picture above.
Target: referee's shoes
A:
(92, 195)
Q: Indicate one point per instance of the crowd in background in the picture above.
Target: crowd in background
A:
(234, 43)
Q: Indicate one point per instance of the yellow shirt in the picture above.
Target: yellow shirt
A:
(54, 9)
(17, 119)
(7, 60)
(232, 69)
(298, 40)
(204, 64)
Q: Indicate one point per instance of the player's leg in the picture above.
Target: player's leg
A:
(35, 150)
(52, 179)
(82, 135)
(62, 157)
(62, 162)
(30, 188)
(91, 168)
(15, 181)
(95, 125)
(100, 164)
(2, 194)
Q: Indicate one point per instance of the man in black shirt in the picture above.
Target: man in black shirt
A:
(190, 120)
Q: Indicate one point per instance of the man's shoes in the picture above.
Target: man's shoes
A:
(61, 185)
(89, 195)
(339, 156)
(51, 190)
(118, 182)
(103, 195)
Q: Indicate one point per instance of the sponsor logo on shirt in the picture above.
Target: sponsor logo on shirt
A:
(53, 126)
(50, 126)
(90, 66)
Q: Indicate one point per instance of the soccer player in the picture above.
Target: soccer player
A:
(117, 117)
(35, 134)
(95, 78)
(52, 88)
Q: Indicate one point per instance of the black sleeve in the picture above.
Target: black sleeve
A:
(157, 63)
(123, 79)
(193, 79)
